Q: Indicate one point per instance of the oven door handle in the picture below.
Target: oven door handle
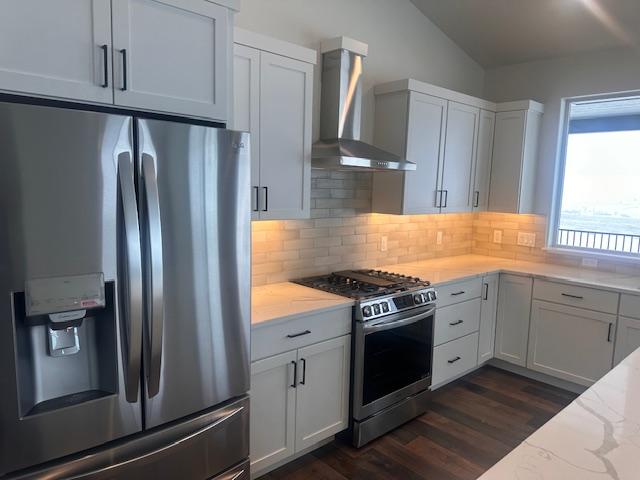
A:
(379, 327)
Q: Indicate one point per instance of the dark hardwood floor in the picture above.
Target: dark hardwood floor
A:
(471, 424)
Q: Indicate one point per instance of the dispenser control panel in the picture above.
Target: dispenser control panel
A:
(63, 294)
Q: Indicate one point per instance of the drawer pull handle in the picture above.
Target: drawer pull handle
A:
(577, 297)
(458, 322)
(294, 335)
(454, 360)
(461, 292)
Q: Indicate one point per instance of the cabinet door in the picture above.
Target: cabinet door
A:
(570, 343)
(482, 170)
(512, 321)
(286, 88)
(459, 157)
(56, 48)
(627, 338)
(488, 312)
(322, 404)
(273, 406)
(506, 167)
(425, 147)
(171, 56)
(246, 110)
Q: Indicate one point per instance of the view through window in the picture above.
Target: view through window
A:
(600, 207)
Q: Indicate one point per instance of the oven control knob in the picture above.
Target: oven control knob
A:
(417, 298)
(376, 309)
(431, 295)
(385, 307)
(366, 311)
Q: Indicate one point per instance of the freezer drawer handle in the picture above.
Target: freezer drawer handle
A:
(155, 294)
(295, 335)
(159, 450)
(131, 278)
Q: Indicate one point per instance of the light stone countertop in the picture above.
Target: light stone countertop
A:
(596, 437)
(281, 301)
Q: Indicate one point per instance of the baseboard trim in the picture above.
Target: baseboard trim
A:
(293, 457)
(541, 377)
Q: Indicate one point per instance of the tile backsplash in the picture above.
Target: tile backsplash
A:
(342, 234)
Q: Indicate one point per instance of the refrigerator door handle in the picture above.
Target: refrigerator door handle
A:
(131, 279)
(154, 297)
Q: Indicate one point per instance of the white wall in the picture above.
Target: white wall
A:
(402, 42)
(552, 80)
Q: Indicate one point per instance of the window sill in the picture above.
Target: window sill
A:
(632, 259)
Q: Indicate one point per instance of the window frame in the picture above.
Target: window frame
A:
(559, 178)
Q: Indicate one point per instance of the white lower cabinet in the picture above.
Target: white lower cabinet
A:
(488, 312)
(454, 358)
(512, 321)
(273, 410)
(627, 338)
(570, 343)
(298, 398)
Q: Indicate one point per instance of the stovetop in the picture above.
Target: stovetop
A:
(364, 284)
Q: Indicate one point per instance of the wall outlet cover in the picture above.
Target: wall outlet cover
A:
(526, 239)
(497, 236)
(439, 238)
(383, 243)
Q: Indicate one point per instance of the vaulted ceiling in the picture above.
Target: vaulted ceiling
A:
(503, 32)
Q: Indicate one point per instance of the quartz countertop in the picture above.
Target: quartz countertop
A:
(595, 437)
(280, 301)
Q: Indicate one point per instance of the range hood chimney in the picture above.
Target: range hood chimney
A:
(339, 147)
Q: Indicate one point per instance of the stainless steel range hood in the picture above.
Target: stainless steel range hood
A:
(339, 147)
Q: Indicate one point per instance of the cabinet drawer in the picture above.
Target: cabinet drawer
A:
(576, 296)
(459, 292)
(453, 358)
(456, 321)
(267, 340)
(630, 306)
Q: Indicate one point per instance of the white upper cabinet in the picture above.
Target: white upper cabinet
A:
(273, 95)
(57, 49)
(482, 171)
(515, 154)
(411, 125)
(459, 158)
(172, 56)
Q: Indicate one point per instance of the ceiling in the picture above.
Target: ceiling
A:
(503, 32)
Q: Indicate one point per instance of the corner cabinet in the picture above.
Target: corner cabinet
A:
(488, 314)
(273, 96)
(515, 157)
(170, 56)
(512, 320)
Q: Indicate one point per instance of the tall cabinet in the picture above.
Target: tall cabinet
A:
(273, 94)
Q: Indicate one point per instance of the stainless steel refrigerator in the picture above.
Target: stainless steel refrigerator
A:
(124, 296)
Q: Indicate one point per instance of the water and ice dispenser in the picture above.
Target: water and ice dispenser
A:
(65, 330)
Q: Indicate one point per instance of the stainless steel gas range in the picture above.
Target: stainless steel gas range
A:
(392, 345)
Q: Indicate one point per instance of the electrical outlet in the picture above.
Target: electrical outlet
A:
(526, 239)
(497, 236)
(383, 243)
(590, 262)
(439, 238)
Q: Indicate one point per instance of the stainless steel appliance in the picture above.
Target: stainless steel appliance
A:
(340, 146)
(392, 352)
(124, 322)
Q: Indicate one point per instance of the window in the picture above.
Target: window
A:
(599, 207)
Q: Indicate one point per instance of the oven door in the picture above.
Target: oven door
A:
(392, 359)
